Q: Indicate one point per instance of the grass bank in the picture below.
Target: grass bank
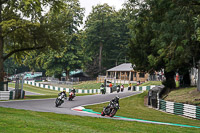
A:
(151, 83)
(47, 93)
(188, 95)
(83, 85)
(133, 107)
(19, 121)
(36, 89)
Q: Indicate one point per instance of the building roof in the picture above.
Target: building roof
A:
(122, 67)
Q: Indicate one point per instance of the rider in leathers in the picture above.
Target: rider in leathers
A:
(114, 101)
(64, 93)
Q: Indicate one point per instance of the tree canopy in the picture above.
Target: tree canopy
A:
(23, 27)
(163, 36)
(106, 38)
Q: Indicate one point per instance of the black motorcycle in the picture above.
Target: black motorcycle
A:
(110, 110)
(118, 89)
(103, 90)
(60, 100)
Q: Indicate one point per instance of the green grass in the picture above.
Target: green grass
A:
(22, 121)
(88, 85)
(185, 95)
(84, 85)
(133, 107)
(81, 85)
(36, 89)
(151, 83)
(47, 93)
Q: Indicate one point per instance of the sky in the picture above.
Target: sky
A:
(87, 4)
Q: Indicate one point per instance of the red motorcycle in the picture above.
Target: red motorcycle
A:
(71, 96)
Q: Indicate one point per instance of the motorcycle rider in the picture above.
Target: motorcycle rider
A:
(115, 100)
(102, 88)
(122, 88)
(118, 88)
(63, 93)
(74, 92)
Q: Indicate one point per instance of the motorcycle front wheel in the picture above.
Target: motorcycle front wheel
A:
(113, 112)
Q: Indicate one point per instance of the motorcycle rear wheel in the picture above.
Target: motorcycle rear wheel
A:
(71, 98)
(102, 113)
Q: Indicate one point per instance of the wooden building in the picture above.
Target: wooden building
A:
(125, 73)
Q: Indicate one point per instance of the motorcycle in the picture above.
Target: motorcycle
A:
(60, 100)
(122, 89)
(103, 91)
(71, 96)
(110, 110)
(118, 89)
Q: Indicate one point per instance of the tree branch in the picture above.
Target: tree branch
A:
(19, 50)
(4, 1)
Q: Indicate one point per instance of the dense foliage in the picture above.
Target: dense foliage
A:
(106, 38)
(164, 36)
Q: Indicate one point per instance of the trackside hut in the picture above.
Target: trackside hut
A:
(125, 73)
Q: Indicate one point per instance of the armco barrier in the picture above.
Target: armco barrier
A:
(4, 95)
(143, 88)
(33, 83)
(180, 109)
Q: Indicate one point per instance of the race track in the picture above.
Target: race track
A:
(48, 105)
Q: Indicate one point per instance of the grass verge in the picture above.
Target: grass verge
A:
(188, 95)
(47, 92)
(18, 121)
(36, 89)
(151, 83)
(133, 107)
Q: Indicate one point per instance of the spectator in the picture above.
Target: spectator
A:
(110, 85)
(129, 87)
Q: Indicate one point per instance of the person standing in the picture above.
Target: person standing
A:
(129, 87)
(110, 85)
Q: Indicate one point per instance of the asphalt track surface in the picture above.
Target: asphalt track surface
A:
(48, 105)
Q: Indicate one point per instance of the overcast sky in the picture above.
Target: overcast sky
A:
(87, 4)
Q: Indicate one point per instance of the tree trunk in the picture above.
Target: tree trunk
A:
(1, 50)
(67, 75)
(100, 56)
(198, 82)
(170, 82)
(184, 77)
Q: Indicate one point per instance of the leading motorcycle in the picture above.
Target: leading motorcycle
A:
(60, 100)
(110, 110)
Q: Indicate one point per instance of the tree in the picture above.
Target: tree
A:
(163, 37)
(24, 28)
(97, 29)
(68, 56)
(106, 38)
(54, 62)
